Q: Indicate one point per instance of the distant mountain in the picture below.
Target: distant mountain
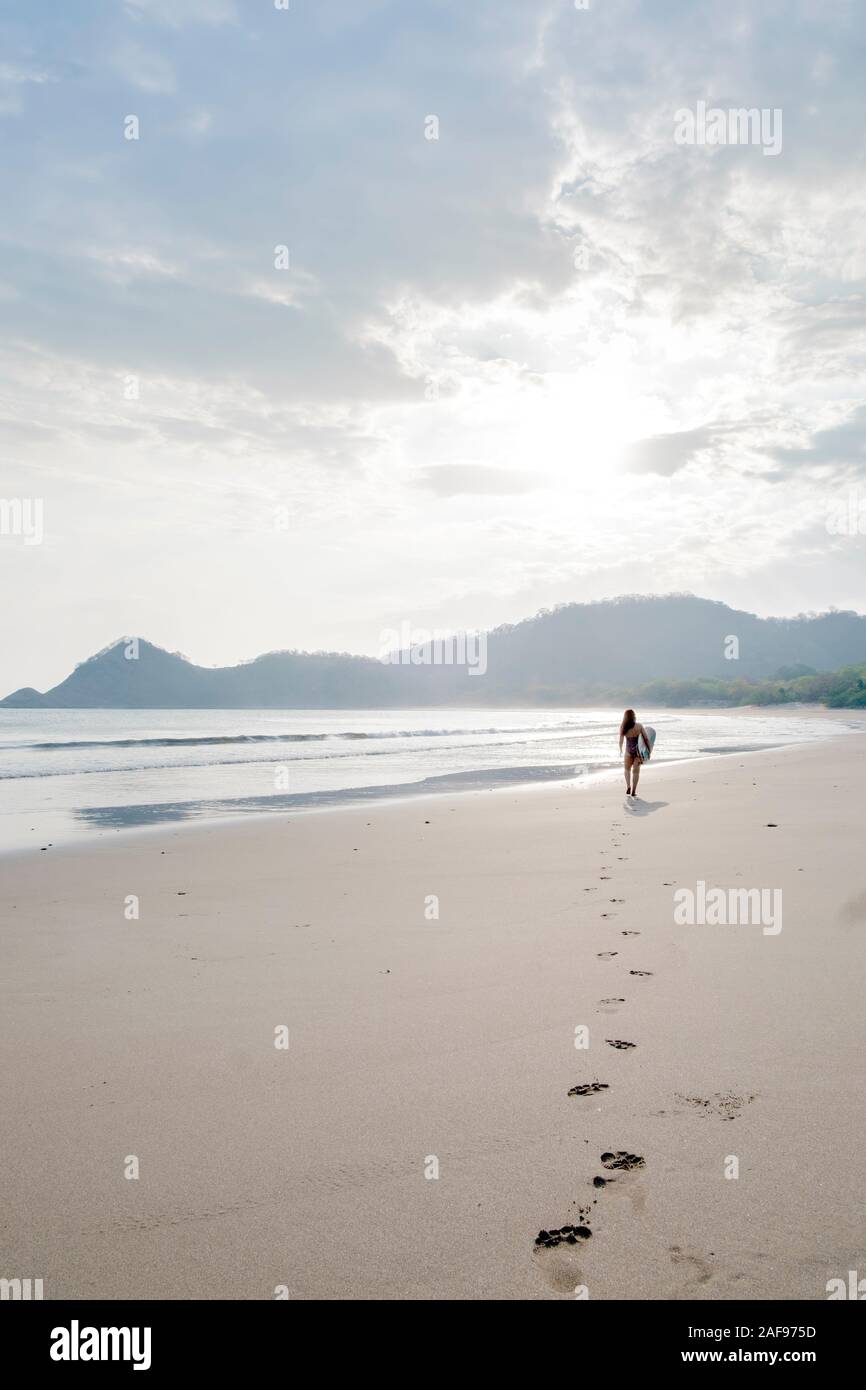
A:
(573, 653)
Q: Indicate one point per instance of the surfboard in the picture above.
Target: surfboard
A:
(646, 745)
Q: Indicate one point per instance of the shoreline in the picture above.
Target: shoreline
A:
(345, 802)
(368, 797)
(451, 1038)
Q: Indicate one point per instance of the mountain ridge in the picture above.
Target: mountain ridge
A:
(571, 652)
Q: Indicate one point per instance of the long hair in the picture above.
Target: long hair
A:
(628, 721)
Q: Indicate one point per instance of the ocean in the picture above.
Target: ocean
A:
(69, 774)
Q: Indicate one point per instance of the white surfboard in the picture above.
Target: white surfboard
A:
(645, 745)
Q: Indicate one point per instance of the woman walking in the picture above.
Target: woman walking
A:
(631, 731)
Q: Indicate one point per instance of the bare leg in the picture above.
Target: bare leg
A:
(627, 764)
(635, 774)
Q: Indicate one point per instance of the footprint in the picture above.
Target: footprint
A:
(556, 1253)
(620, 1043)
(622, 1160)
(609, 1006)
(630, 933)
(642, 973)
(607, 955)
(703, 1271)
(589, 1088)
(726, 1107)
(569, 1235)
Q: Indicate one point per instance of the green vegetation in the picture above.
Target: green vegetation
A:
(845, 689)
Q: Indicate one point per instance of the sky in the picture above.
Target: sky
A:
(322, 320)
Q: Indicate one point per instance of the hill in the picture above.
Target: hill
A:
(571, 654)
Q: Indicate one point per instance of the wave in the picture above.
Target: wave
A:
(108, 769)
(211, 740)
(193, 742)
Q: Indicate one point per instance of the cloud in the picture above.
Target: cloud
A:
(666, 454)
(199, 123)
(146, 69)
(14, 77)
(177, 13)
(288, 288)
(17, 75)
(477, 480)
(124, 264)
(840, 446)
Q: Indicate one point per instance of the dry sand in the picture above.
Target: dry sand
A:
(452, 1038)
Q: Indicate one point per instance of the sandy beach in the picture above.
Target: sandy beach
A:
(421, 1043)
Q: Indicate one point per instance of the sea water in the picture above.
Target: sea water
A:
(65, 774)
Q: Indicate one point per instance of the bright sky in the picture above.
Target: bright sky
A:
(551, 355)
